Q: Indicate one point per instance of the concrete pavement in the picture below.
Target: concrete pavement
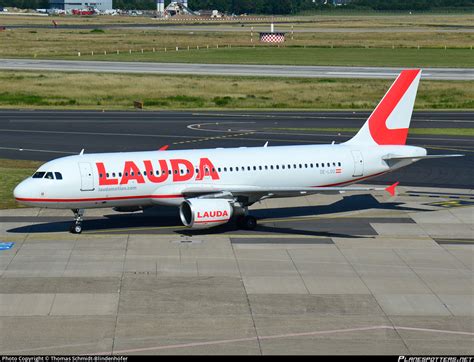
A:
(401, 286)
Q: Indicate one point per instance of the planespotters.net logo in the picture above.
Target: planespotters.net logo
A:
(435, 359)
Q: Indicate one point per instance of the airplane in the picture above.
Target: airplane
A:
(213, 186)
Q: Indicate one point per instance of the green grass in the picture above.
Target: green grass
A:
(467, 132)
(57, 90)
(12, 172)
(400, 57)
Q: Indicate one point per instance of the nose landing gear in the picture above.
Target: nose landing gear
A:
(76, 226)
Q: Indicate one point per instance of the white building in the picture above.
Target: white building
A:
(66, 5)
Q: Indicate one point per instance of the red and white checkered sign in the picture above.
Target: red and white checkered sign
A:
(272, 37)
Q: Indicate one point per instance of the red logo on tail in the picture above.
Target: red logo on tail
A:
(377, 121)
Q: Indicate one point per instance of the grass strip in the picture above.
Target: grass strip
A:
(56, 90)
(12, 172)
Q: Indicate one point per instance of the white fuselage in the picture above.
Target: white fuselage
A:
(157, 177)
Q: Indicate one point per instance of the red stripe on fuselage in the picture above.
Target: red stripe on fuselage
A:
(354, 180)
(102, 199)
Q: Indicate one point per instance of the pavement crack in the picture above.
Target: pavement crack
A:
(248, 302)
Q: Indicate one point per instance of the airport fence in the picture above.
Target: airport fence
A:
(251, 45)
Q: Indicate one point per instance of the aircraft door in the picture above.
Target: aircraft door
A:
(358, 164)
(87, 178)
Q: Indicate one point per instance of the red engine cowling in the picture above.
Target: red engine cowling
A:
(205, 213)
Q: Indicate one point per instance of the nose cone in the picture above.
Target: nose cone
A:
(22, 192)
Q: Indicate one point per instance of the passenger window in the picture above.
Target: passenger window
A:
(271, 167)
(120, 174)
(230, 169)
(328, 164)
(58, 175)
(236, 169)
(225, 169)
(317, 165)
(339, 164)
(311, 165)
(49, 176)
(255, 168)
(334, 163)
(301, 166)
(107, 175)
(38, 174)
(277, 167)
(282, 167)
(266, 167)
(260, 168)
(100, 175)
(305, 165)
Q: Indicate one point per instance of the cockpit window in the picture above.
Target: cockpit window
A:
(58, 175)
(49, 176)
(38, 174)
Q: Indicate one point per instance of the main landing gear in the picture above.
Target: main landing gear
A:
(76, 226)
(247, 222)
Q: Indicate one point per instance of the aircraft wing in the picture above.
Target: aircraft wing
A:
(216, 191)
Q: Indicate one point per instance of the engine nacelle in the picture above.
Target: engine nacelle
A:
(205, 213)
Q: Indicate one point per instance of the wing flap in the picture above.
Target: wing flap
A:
(247, 189)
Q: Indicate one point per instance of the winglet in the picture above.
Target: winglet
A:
(392, 188)
(164, 148)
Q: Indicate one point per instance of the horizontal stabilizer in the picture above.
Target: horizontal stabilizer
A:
(395, 157)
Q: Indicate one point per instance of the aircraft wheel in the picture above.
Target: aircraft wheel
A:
(248, 222)
(76, 228)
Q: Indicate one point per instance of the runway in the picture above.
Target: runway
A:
(45, 135)
(230, 69)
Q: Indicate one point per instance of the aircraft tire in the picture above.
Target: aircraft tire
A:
(76, 229)
(248, 222)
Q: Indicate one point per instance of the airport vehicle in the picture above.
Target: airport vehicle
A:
(213, 186)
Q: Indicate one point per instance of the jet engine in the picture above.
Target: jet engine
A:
(205, 213)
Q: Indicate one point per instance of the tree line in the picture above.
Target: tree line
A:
(268, 6)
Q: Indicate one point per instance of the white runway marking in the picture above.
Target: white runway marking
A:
(249, 339)
(289, 335)
(36, 150)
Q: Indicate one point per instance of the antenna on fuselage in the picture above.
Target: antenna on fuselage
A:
(81, 153)
(266, 144)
